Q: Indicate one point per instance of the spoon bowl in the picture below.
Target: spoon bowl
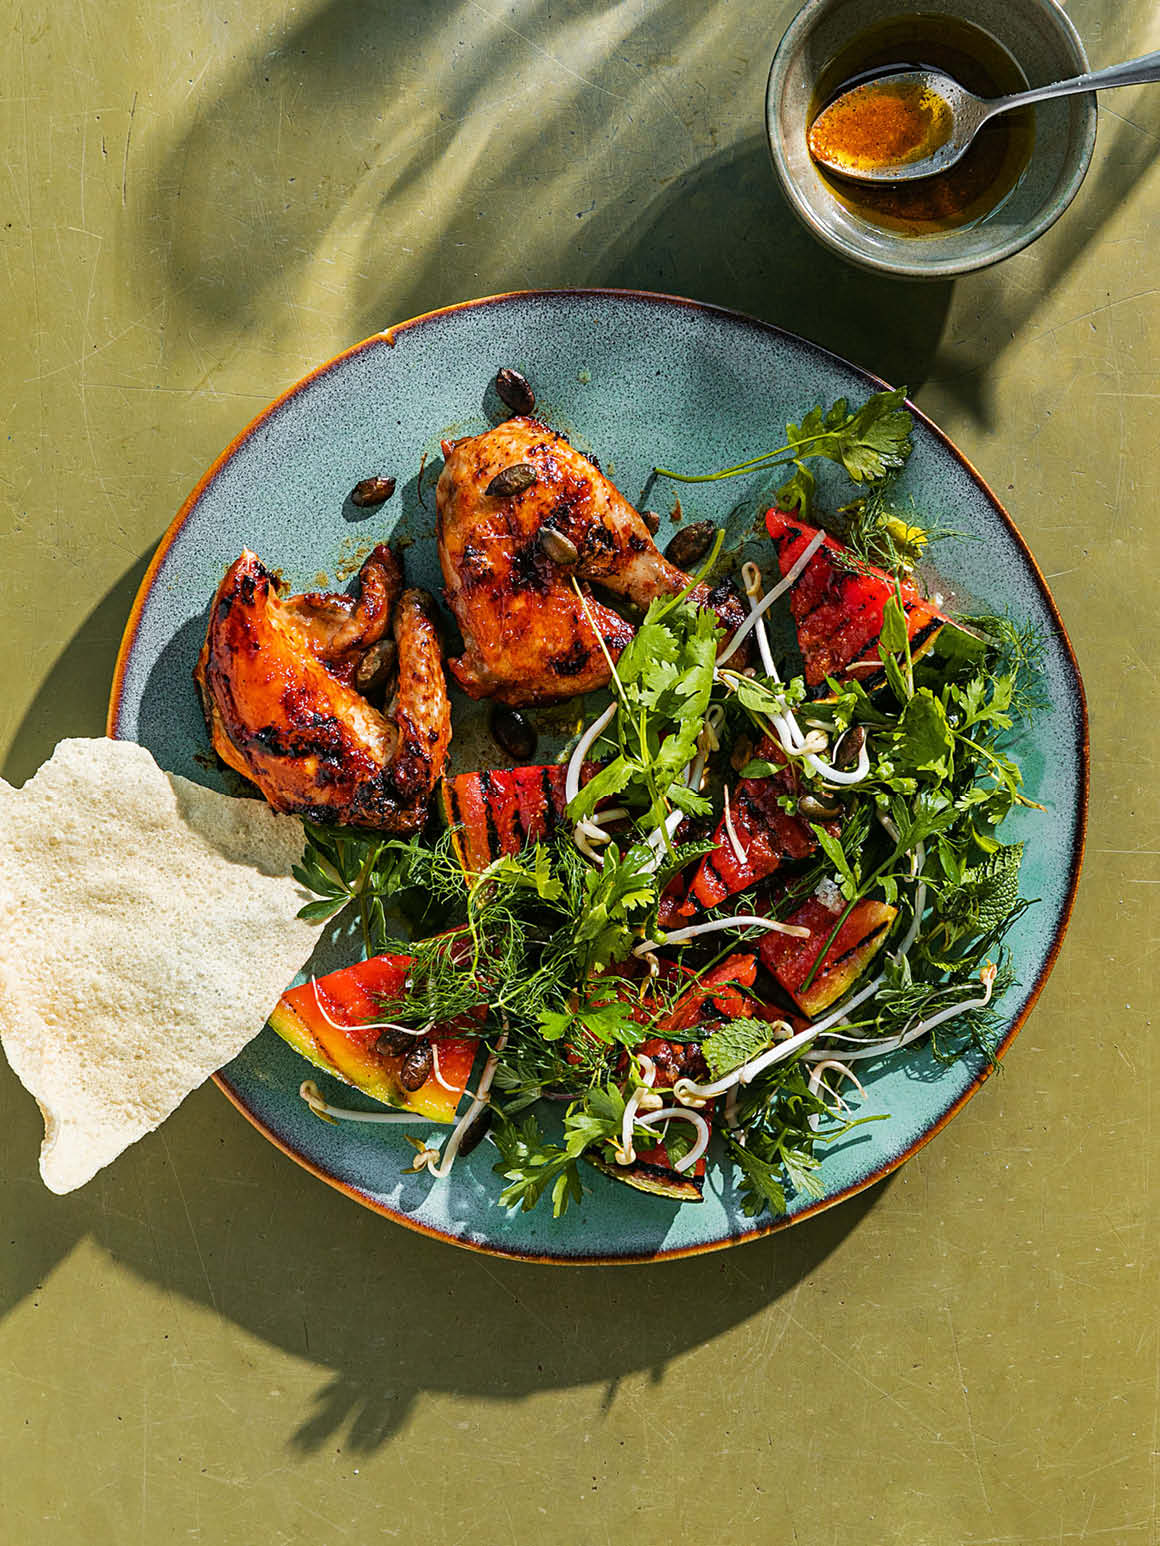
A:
(917, 123)
(899, 127)
(1042, 44)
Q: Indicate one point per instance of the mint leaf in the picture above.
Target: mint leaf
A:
(734, 1043)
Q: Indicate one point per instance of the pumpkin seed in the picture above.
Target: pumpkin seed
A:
(476, 1131)
(512, 732)
(393, 1044)
(512, 480)
(690, 544)
(652, 520)
(372, 491)
(849, 748)
(817, 810)
(557, 546)
(375, 667)
(416, 1066)
(514, 392)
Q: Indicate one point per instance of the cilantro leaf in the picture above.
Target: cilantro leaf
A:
(875, 439)
(868, 443)
(923, 741)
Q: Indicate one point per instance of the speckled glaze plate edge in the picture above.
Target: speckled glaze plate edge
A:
(700, 347)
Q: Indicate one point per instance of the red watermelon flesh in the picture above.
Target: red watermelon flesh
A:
(353, 998)
(838, 610)
(717, 985)
(861, 936)
(503, 811)
(766, 834)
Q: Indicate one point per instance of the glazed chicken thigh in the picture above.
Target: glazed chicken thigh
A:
(276, 680)
(510, 559)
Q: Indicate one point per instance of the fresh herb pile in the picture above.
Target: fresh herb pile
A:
(566, 948)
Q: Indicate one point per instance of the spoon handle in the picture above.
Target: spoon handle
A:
(1136, 72)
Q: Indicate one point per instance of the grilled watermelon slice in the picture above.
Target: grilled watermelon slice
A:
(861, 935)
(721, 985)
(838, 608)
(652, 1170)
(766, 835)
(352, 998)
(502, 811)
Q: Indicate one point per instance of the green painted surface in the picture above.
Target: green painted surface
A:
(208, 1345)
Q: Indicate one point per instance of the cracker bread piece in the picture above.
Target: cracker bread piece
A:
(147, 929)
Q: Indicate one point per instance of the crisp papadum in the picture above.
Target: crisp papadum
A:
(147, 928)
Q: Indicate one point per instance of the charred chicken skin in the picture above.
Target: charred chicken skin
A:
(276, 683)
(509, 560)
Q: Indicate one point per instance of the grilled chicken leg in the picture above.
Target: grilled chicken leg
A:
(275, 680)
(509, 559)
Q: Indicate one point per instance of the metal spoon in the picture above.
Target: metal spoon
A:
(919, 122)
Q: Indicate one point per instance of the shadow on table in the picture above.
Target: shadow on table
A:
(723, 232)
(445, 178)
(207, 1209)
(73, 698)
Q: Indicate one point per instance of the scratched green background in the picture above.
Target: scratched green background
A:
(206, 1345)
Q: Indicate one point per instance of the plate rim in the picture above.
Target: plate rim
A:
(1081, 727)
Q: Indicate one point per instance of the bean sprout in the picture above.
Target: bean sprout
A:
(313, 1097)
(368, 1025)
(734, 840)
(438, 1072)
(767, 601)
(741, 921)
(817, 1082)
(625, 1154)
(582, 843)
(576, 761)
(893, 1043)
(751, 579)
(681, 1113)
(439, 1165)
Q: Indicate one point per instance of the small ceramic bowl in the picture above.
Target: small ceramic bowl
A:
(1043, 44)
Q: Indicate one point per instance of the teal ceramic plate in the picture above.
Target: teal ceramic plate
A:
(640, 380)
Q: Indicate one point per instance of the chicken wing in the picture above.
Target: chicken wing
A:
(275, 681)
(508, 561)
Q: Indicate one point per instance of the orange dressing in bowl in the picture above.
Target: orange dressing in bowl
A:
(967, 192)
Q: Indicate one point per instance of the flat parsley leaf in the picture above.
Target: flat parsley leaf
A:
(761, 1184)
(868, 443)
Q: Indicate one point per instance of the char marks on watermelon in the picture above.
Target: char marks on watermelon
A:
(862, 934)
(766, 834)
(837, 605)
(501, 812)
